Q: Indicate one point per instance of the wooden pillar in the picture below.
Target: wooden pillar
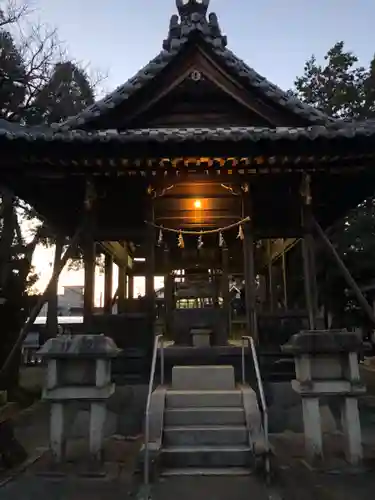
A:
(108, 283)
(270, 284)
(216, 287)
(312, 262)
(150, 261)
(89, 256)
(249, 268)
(250, 295)
(130, 285)
(284, 271)
(89, 248)
(168, 290)
(308, 253)
(225, 293)
(53, 305)
(121, 288)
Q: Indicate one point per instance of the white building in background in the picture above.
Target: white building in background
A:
(70, 303)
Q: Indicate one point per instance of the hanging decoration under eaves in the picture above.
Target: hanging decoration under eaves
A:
(180, 241)
(240, 234)
(200, 234)
(200, 242)
(221, 240)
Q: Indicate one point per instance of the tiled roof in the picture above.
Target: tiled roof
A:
(193, 22)
(236, 134)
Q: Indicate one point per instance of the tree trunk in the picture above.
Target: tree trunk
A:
(6, 241)
(52, 312)
(10, 309)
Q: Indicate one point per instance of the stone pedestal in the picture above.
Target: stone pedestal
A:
(78, 369)
(201, 337)
(326, 363)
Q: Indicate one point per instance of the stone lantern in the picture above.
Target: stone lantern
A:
(78, 369)
(326, 363)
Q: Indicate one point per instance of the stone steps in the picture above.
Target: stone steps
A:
(221, 435)
(206, 456)
(204, 427)
(206, 399)
(206, 471)
(204, 416)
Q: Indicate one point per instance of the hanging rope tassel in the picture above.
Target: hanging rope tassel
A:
(221, 240)
(240, 234)
(180, 241)
(200, 242)
(160, 238)
(197, 233)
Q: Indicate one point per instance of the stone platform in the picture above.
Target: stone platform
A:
(274, 365)
(133, 365)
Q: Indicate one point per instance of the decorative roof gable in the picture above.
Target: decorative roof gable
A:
(193, 19)
(191, 24)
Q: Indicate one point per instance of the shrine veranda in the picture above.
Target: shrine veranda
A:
(196, 163)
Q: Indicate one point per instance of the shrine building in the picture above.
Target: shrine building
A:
(200, 170)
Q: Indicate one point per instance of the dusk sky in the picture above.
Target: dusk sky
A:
(275, 37)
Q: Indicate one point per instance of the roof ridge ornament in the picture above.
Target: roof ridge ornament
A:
(188, 7)
(192, 17)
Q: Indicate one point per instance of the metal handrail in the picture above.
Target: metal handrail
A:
(158, 340)
(262, 396)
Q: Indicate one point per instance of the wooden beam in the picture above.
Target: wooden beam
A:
(199, 60)
(274, 249)
(118, 251)
(214, 72)
(345, 271)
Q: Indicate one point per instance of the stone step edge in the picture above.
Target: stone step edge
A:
(202, 427)
(206, 408)
(195, 471)
(205, 449)
(203, 391)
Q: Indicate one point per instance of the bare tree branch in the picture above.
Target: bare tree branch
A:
(40, 49)
(96, 77)
(13, 11)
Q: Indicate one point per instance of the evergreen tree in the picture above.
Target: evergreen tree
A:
(343, 89)
(67, 92)
(36, 88)
(12, 76)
